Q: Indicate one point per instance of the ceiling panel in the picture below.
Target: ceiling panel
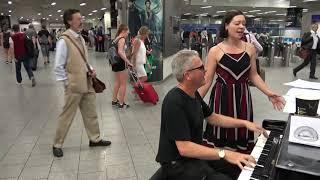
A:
(29, 9)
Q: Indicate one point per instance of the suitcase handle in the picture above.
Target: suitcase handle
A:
(135, 78)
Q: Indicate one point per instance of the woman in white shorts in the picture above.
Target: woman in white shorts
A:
(139, 53)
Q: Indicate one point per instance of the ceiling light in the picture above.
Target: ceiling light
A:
(257, 10)
(221, 11)
(245, 12)
(9, 15)
(54, 3)
(1, 14)
(82, 4)
(83, 17)
(43, 18)
(39, 14)
(309, 0)
(281, 14)
(57, 19)
(93, 19)
(21, 17)
(90, 14)
(186, 14)
(260, 13)
(9, 2)
(27, 19)
(47, 18)
(292, 6)
(250, 15)
(50, 15)
(205, 7)
(61, 15)
(10, 11)
(103, 9)
(59, 10)
(94, 10)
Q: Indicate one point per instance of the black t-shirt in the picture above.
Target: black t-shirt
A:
(181, 120)
(43, 32)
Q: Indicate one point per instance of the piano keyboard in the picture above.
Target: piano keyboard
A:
(261, 153)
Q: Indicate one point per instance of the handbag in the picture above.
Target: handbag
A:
(97, 84)
(303, 53)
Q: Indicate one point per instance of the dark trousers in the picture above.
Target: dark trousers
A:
(27, 67)
(101, 46)
(200, 170)
(313, 62)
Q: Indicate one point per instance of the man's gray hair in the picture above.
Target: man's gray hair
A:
(181, 62)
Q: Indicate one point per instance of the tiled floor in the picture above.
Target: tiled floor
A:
(28, 118)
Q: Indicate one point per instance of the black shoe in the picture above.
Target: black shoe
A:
(33, 82)
(294, 73)
(124, 105)
(115, 103)
(100, 143)
(57, 152)
(313, 77)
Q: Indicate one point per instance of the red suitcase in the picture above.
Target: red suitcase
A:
(144, 90)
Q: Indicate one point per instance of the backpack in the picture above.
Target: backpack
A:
(43, 39)
(113, 55)
(29, 46)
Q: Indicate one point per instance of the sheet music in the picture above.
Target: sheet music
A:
(305, 130)
(304, 84)
(291, 95)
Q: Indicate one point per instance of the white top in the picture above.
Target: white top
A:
(315, 39)
(141, 56)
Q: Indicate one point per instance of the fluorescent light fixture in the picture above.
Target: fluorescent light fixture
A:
(292, 6)
(21, 17)
(221, 11)
(103, 9)
(183, 19)
(260, 13)
(56, 19)
(90, 14)
(83, 4)
(205, 7)
(93, 19)
(83, 17)
(186, 14)
(27, 19)
(250, 15)
(59, 10)
(95, 11)
(1, 14)
(281, 14)
(39, 14)
(305, 10)
(9, 2)
(61, 15)
(9, 15)
(257, 10)
(9, 11)
(43, 18)
(50, 15)
(245, 12)
(53, 3)
(271, 11)
(309, 0)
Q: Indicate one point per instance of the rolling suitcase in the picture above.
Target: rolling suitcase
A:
(145, 91)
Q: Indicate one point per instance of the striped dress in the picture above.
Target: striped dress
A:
(231, 96)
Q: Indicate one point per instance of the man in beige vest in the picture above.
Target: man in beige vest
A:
(71, 69)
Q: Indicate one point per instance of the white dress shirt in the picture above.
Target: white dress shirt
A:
(315, 40)
(61, 59)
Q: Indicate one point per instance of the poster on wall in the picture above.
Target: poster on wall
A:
(149, 13)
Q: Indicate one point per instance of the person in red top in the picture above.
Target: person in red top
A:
(20, 55)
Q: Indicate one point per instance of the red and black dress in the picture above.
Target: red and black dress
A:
(231, 96)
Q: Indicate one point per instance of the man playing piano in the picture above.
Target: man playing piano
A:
(180, 152)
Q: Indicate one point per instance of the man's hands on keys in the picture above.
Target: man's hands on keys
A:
(239, 159)
(256, 128)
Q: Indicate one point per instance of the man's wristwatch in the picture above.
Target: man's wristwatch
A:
(221, 154)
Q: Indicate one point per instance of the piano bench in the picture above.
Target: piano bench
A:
(158, 175)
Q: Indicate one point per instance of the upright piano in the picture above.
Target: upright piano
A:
(277, 159)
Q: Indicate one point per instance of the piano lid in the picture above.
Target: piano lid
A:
(297, 157)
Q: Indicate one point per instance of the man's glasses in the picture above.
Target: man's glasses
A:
(201, 68)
